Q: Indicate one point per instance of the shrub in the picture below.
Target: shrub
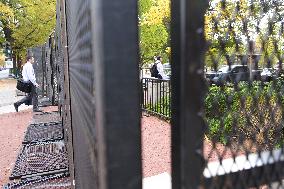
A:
(251, 112)
(245, 112)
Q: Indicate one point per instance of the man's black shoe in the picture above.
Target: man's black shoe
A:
(16, 107)
(37, 110)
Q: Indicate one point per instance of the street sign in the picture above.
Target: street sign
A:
(9, 64)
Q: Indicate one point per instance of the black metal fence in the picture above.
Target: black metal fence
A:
(226, 135)
(39, 66)
(45, 71)
(156, 96)
(62, 74)
(230, 135)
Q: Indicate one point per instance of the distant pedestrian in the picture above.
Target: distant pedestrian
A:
(29, 77)
(160, 68)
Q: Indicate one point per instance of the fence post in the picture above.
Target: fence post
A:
(117, 91)
(188, 48)
(63, 80)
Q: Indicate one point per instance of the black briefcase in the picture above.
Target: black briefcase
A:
(25, 87)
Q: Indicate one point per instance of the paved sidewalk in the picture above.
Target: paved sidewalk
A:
(8, 92)
(12, 127)
(4, 74)
(11, 108)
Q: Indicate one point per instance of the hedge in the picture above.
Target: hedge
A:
(243, 112)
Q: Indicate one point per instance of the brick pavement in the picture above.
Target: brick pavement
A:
(12, 129)
(12, 126)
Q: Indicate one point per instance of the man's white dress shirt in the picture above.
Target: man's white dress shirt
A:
(28, 73)
(160, 69)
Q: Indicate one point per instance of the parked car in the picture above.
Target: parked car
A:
(210, 75)
(268, 74)
(256, 74)
(235, 74)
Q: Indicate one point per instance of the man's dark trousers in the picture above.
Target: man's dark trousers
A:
(31, 98)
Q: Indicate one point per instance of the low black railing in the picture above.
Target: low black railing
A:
(156, 96)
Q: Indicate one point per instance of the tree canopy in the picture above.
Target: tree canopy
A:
(231, 26)
(154, 17)
(26, 23)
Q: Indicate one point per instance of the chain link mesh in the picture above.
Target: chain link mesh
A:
(244, 103)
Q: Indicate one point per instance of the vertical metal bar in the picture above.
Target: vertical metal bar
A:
(188, 126)
(63, 21)
(160, 97)
(52, 63)
(170, 99)
(156, 102)
(116, 88)
(147, 92)
(43, 72)
(144, 93)
(164, 97)
(152, 96)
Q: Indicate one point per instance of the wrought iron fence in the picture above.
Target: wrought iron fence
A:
(156, 96)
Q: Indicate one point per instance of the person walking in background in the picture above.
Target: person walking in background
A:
(160, 68)
(29, 77)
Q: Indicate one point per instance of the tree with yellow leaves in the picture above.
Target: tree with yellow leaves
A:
(231, 26)
(154, 29)
(6, 17)
(31, 24)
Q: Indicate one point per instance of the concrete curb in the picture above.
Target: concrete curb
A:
(162, 181)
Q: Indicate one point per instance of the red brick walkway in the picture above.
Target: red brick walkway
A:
(12, 129)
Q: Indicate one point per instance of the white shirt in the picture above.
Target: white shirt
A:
(160, 69)
(28, 73)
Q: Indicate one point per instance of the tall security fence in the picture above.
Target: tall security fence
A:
(61, 65)
(227, 123)
(40, 67)
(228, 130)
(45, 71)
